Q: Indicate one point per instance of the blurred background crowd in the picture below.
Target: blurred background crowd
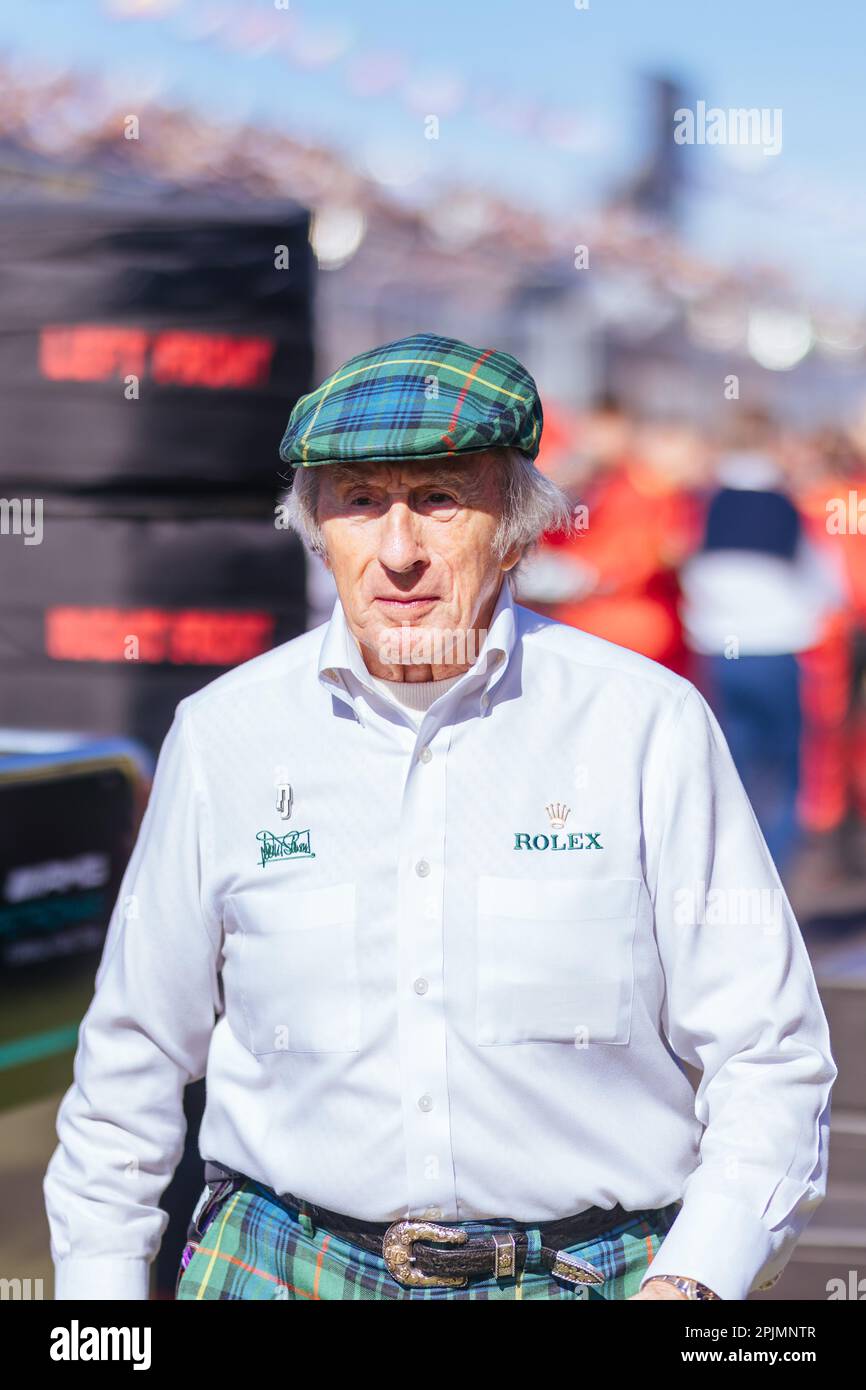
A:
(207, 208)
(732, 555)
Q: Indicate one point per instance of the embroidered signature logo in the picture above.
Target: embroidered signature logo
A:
(295, 842)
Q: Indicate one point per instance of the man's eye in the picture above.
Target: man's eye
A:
(360, 498)
(441, 498)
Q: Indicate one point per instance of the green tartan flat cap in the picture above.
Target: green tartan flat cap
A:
(424, 396)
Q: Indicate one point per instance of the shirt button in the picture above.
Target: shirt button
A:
(425, 1102)
(422, 868)
(421, 986)
(485, 701)
(425, 755)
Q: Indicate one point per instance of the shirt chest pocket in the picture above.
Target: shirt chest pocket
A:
(299, 985)
(555, 960)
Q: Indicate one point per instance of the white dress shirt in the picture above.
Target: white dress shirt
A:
(429, 1000)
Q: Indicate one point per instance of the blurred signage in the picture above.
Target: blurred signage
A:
(188, 637)
(172, 357)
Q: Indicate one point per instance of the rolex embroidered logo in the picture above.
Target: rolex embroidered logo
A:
(557, 814)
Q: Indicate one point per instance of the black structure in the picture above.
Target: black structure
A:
(152, 346)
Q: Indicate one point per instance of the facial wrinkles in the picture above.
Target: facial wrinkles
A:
(399, 548)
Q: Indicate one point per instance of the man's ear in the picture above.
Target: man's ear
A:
(513, 555)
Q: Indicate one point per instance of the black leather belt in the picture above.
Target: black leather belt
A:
(420, 1252)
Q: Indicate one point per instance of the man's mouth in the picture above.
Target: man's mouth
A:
(409, 604)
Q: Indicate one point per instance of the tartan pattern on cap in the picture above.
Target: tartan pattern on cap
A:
(253, 1247)
(424, 396)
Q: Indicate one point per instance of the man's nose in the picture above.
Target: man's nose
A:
(400, 544)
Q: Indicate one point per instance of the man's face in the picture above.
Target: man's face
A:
(410, 543)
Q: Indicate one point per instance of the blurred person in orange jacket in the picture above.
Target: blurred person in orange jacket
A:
(636, 520)
(831, 494)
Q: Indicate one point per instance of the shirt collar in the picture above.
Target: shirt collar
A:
(340, 655)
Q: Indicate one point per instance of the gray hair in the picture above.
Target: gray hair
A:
(531, 505)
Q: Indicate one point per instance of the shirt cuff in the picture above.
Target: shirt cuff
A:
(717, 1241)
(84, 1278)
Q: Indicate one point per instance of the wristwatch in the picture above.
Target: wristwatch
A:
(768, 1284)
(690, 1287)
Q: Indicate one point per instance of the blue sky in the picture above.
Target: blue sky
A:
(803, 210)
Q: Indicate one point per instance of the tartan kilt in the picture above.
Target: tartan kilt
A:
(245, 1244)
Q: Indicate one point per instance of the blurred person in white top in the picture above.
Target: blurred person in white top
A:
(755, 594)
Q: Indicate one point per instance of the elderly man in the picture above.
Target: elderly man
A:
(449, 902)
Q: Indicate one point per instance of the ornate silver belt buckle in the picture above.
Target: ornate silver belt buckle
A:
(505, 1266)
(574, 1270)
(399, 1255)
